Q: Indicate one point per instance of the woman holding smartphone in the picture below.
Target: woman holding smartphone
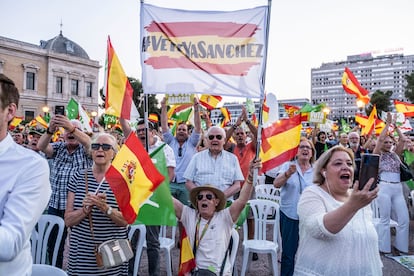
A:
(337, 236)
(391, 197)
(293, 178)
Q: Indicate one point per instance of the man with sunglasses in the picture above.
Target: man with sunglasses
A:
(67, 158)
(184, 146)
(215, 165)
(24, 192)
(154, 142)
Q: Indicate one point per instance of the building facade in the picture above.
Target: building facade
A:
(385, 73)
(50, 74)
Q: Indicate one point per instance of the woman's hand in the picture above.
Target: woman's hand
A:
(361, 198)
(99, 201)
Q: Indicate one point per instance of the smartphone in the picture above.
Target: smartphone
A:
(59, 110)
(369, 169)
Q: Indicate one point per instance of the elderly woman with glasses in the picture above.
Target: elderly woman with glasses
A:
(209, 225)
(92, 211)
(294, 176)
(391, 197)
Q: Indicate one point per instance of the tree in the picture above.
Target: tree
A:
(409, 88)
(381, 100)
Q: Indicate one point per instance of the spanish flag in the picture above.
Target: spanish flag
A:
(118, 90)
(133, 177)
(153, 117)
(266, 110)
(15, 122)
(226, 116)
(180, 113)
(210, 101)
(291, 109)
(280, 142)
(352, 86)
(370, 124)
(363, 121)
(187, 261)
(406, 108)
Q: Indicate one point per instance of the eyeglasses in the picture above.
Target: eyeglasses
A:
(305, 147)
(208, 196)
(218, 137)
(180, 151)
(105, 147)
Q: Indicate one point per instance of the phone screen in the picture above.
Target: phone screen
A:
(59, 110)
(369, 169)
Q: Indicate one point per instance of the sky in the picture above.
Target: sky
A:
(303, 33)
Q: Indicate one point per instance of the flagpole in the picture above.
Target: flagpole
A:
(260, 118)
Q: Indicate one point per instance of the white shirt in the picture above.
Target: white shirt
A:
(24, 194)
(351, 251)
(213, 245)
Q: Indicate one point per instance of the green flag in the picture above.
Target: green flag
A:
(408, 157)
(161, 211)
(250, 106)
(345, 126)
(72, 110)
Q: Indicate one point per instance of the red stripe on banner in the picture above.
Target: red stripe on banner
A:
(164, 62)
(222, 29)
(281, 126)
(121, 191)
(279, 160)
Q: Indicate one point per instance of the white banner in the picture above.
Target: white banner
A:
(206, 52)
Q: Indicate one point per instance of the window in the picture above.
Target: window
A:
(74, 87)
(89, 89)
(30, 81)
(59, 85)
(28, 115)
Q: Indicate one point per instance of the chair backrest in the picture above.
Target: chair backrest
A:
(265, 212)
(33, 241)
(267, 191)
(44, 227)
(142, 232)
(165, 233)
(47, 270)
(235, 246)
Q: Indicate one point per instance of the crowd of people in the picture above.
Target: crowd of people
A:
(324, 216)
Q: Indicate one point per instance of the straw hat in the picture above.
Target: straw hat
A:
(218, 193)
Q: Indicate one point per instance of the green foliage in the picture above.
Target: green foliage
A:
(381, 100)
(152, 100)
(409, 88)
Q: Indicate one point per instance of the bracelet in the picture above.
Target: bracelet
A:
(49, 132)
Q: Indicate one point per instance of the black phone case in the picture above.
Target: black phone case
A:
(369, 168)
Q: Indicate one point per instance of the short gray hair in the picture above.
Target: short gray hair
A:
(223, 132)
(114, 142)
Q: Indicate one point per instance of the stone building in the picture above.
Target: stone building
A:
(50, 74)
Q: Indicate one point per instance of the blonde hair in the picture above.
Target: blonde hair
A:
(323, 160)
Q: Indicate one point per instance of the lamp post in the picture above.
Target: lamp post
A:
(360, 105)
(46, 116)
(94, 114)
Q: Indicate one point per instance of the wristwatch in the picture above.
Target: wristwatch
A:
(109, 211)
(48, 131)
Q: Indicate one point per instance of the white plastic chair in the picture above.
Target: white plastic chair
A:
(40, 238)
(47, 270)
(167, 243)
(142, 231)
(261, 243)
(233, 252)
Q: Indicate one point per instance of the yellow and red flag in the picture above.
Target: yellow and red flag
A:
(15, 122)
(352, 86)
(363, 121)
(133, 177)
(187, 261)
(291, 109)
(118, 90)
(406, 108)
(280, 142)
(210, 101)
(370, 124)
(153, 117)
(226, 116)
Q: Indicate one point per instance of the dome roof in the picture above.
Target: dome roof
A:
(63, 45)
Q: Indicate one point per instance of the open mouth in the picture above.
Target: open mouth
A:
(204, 205)
(345, 176)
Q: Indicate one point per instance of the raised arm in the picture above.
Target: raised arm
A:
(164, 118)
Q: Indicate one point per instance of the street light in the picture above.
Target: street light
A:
(94, 114)
(360, 105)
(45, 109)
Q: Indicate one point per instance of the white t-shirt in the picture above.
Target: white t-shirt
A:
(214, 243)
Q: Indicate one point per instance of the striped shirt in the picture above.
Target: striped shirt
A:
(64, 165)
(82, 260)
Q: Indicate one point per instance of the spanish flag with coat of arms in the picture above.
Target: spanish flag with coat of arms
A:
(133, 177)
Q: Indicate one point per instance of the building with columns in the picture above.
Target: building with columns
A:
(50, 74)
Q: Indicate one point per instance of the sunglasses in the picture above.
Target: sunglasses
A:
(218, 137)
(105, 147)
(180, 151)
(305, 147)
(208, 196)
